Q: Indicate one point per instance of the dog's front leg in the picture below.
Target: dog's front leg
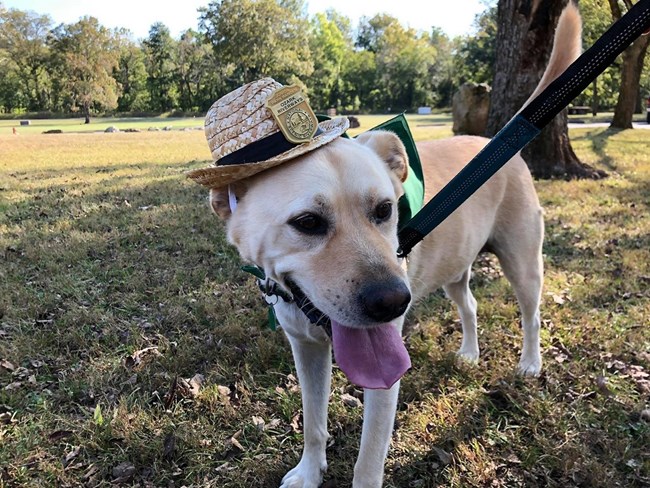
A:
(378, 419)
(314, 366)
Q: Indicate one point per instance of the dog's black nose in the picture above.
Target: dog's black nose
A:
(385, 301)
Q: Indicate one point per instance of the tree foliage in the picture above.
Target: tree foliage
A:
(23, 56)
(85, 55)
(330, 44)
(258, 38)
(475, 56)
(131, 76)
(377, 65)
(159, 50)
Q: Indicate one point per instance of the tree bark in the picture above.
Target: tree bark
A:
(628, 96)
(595, 104)
(524, 43)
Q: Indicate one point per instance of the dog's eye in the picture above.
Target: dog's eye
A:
(383, 211)
(310, 224)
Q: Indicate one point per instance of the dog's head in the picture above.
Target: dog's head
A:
(327, 222)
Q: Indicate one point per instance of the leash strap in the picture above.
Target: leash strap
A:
(526, 125)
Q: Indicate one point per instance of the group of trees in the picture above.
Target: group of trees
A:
(375, 66)
(84, 67)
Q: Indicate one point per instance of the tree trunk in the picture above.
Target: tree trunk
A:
(628, 96)
(552, 154)
(524, 43)
(87, 114)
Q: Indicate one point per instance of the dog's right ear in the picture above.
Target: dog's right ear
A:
(224, 200)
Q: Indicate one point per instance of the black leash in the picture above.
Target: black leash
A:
(526, 125)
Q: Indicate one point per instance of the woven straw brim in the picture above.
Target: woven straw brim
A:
(220, 176)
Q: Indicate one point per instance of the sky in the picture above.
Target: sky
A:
(454, 18)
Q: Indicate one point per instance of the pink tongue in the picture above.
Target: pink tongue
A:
(371, 358)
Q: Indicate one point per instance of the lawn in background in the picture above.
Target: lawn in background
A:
(100, 124)
(133, 351)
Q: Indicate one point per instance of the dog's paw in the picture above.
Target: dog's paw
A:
(304, 475)
(469, 355)
(530, 366)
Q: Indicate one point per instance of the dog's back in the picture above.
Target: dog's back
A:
(503, 216)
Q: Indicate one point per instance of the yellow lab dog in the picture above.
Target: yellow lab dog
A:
(317, 213)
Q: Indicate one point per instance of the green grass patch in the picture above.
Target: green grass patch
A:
(133, 351)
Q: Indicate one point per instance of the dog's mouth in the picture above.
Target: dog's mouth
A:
(372, 357)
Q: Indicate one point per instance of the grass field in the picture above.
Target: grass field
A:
(134, 352)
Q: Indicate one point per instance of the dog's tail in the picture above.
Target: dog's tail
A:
(567, 46)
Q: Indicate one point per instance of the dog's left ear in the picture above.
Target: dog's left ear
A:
(219, 202)
(224, 200)
(389, 147)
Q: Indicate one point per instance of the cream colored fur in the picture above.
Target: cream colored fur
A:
(344, 182)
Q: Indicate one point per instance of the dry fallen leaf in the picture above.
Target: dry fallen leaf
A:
(70, 456)
(170, 396)
(560, 358)
(57, 435)
(259, 423)
(235, 442)
(123, 472)
(7, 365)
(350, 400)
(91, 471)
(195, 383)
(601, 384)
(295, 423)
(21, 373)
(138, 357)
(13, 386)
(512, 458)
(444, 456)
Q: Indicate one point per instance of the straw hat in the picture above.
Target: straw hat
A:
(258, 126)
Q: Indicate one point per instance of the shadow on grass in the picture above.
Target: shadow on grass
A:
(599, 139)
